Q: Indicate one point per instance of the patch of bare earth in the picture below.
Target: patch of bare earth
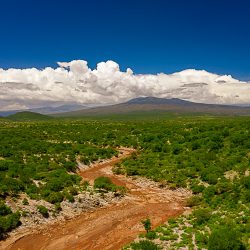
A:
(112, 226)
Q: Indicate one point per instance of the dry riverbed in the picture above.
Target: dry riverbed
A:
(111, 226)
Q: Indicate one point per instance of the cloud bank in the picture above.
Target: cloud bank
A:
(75, 82)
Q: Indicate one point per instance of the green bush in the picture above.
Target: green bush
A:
(147, 224)
(70, 197)
(105, 183)
(197, 189)
(85, 185)
(4, 209)
(58, 207)
(25, 201)
(73, 191)
(194, 200)
(43, 210)
(9, 222)
(225, 238)
(144, 245)
(54, 197)
(151, 235)
(202, 215)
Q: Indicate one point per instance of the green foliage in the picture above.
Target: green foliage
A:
(25, 201)
(105, 183)
(29, 116)
(43, 210)
(39, 159)
(8, 220)
(144, 245)
(147, 224)
(58, 207)
(202, 215)
(85, 185)
(69, 197)
(194, 201)
(151, 235)
(225, 238)
(4, 209)
(198, 154)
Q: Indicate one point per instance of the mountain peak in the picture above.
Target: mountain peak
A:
(156, 101)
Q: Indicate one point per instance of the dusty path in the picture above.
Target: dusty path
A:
(113, 226)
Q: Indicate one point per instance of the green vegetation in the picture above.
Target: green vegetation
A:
(209, 155)
(43, 211)
(147, 224)
(28, 116)
(225, 238)
(103, 183)
(25, 201)
(40, 158)
(8, 220)
(144, 245)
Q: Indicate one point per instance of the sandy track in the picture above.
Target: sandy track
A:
(109, 227)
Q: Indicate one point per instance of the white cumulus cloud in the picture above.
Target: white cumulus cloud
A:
(75, 82)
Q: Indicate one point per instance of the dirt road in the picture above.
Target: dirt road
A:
(113, 226)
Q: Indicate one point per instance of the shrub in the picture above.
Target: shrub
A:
(25, 201)
(54, 197)
(24, 213)
(194, 201)
(209, 193)
(147, 224)
(225, 238)
(58, 207)
(202, 215)
(9, 222)
(246, 182)
(70, 197)
(43, 210)
(73, 191)
(197, 189)
(85, 185)
(103, 183)
(151, 235)
(4, 210)
(70, 166)
(144, 245)
(118, 169)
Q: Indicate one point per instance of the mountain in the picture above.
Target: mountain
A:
(28, 116)
(152, 104)
(47, 110)
(59, 109)
(155, 101)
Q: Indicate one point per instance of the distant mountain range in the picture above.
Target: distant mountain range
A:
(149, 104)
(142, 105)
(47, 110)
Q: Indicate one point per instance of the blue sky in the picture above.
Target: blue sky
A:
(147, 36)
